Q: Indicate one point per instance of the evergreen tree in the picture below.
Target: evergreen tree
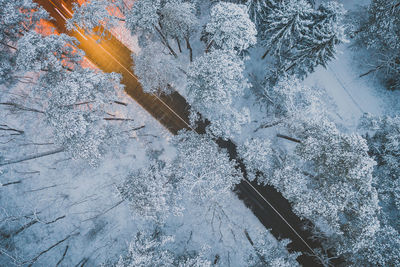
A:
(39, 53)
(383, 250)
(285, 24)
(318, 45)
(143, 17)
(329, 181)
(256, 154)
(76, 103)
(289, 97)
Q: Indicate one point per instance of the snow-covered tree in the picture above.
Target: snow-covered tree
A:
(285, 24)
(318, 45)
(384, 145)
(203, 171)
(16, 19)
(270, 252)
(143, 16)
(256, 154)
(381, 34)
(213, 80)
(153, 249)
(382, 28)
(157, 74)
(383, 250)
(90, 15)
(289, 97)
(144, 19)
(193, 260)
(329, 181)
(230, 27)
(150, 192)
(39, 53)
(73, 99)
(342, 171)
(76, 102)
(256, 9)
(148, 250)
(179, 21)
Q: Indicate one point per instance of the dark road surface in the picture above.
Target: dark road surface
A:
(172, 112)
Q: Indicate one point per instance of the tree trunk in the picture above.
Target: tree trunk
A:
(190, 49)
(39, 155)
(370, 71)
(4, 127)
(18, 106)
(118, 119)
(31, 262)
(179, 45)
(265, 54)
(209, 46)
(289, 138)
(165, 41)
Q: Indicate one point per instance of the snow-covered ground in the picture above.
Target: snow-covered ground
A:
(351, 95)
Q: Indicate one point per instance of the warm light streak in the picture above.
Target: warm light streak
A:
(66, 9)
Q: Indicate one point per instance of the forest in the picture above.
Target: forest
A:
(199, 133)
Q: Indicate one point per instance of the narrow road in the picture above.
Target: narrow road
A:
(172, 111)
(110, 55)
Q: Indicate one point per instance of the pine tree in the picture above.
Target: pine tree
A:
(329, 180)
(289, 97)
(318, 45)
(143, 18)
(285, 24)
(39, 53)
(384, 145)
(76, 102)
(382, 250)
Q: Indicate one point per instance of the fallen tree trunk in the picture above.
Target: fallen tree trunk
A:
(39, 155)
